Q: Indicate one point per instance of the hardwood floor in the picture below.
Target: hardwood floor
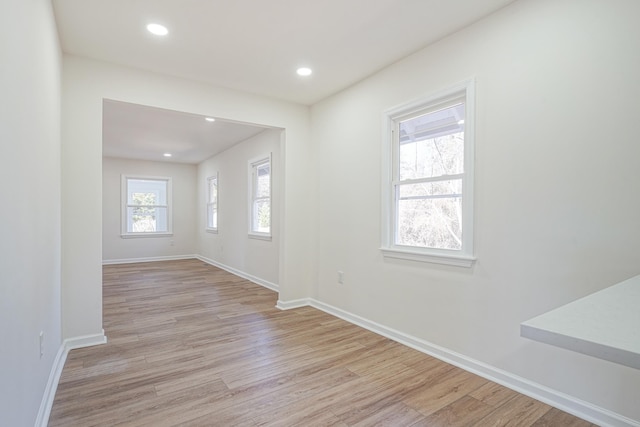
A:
(192, 345)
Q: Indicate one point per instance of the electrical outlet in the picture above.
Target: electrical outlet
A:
(341, 277)
(41, 344)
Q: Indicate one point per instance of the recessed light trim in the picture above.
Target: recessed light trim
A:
(167, 154)
(157, 29)
(304, 71)
(210, 119)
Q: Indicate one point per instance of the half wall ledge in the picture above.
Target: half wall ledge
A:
(605, 324)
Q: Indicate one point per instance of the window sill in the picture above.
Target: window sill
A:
(434, 258)
(144, 235)
(212, 230)
(260, 236)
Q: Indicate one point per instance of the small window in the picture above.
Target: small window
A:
(146, 207)
(429, 179)
(260, 198)
(212, 203)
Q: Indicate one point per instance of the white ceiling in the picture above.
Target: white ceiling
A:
(146, 133)
(256, 45)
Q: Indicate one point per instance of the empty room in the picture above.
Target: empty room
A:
(388, 212)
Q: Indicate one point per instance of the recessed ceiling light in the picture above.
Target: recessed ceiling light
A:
(157, 29)
(304, 71)
(210, 119)
(167, 154)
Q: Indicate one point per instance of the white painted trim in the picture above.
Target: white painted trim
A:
(247, 276)
(260, 236)
(251, 180)
(434, 258)
(52, 386)
(84, 341)
(144, 235)
(124, 203)
(42, 420)
(251, 278)
(465, 257)
(211, 178)
(148, 259)
(562, 401)
(288, 305)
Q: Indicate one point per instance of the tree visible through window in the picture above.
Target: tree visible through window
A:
(431, 164)
(212, 203)
(429, 210)
(146, 207)
(260, 197)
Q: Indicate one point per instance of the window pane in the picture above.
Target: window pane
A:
(432, 144)
(212, 216)
(263, 180)
(146, 220)
(261, 216)
(430, 223)
(146, 192)
(144, 199)
(427, 189)
(213, 190)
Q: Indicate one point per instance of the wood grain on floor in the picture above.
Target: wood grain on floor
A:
(192, 345)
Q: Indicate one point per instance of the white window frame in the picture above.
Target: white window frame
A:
(212, 207)
(125, 204)
(252, 179)
(390, 176)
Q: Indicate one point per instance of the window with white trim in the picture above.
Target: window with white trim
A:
(212, 203)
(146, 206)
(428, 190)
(260, 197)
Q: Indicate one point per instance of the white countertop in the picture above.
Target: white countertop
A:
(605, 324)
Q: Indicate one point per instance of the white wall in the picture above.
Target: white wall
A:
(231, 246)
(85, 84)
(557, 189)
(30, 214)
(183, 182)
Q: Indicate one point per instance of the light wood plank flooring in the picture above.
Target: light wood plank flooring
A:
(192, 345)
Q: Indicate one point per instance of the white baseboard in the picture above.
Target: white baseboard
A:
(251, 278)
(56, 371)
(288, 305)
(564, 402)
(147, 259)
(52, 386)
(84, 341)
(247, 276)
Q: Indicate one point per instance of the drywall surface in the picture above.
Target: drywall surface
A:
(30, 190)
(231, 245)
(85, 84)
(557, 190)
(183, 213)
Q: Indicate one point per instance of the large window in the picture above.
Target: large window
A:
(146, 208)
(212, 203)
(429, 179)
(260, 198)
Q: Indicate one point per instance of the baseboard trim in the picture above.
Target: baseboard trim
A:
(84, 341)
(56, 371)
(564, 402)
(247, 276)
(147, 259)
(288, 305)
(52, 386)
